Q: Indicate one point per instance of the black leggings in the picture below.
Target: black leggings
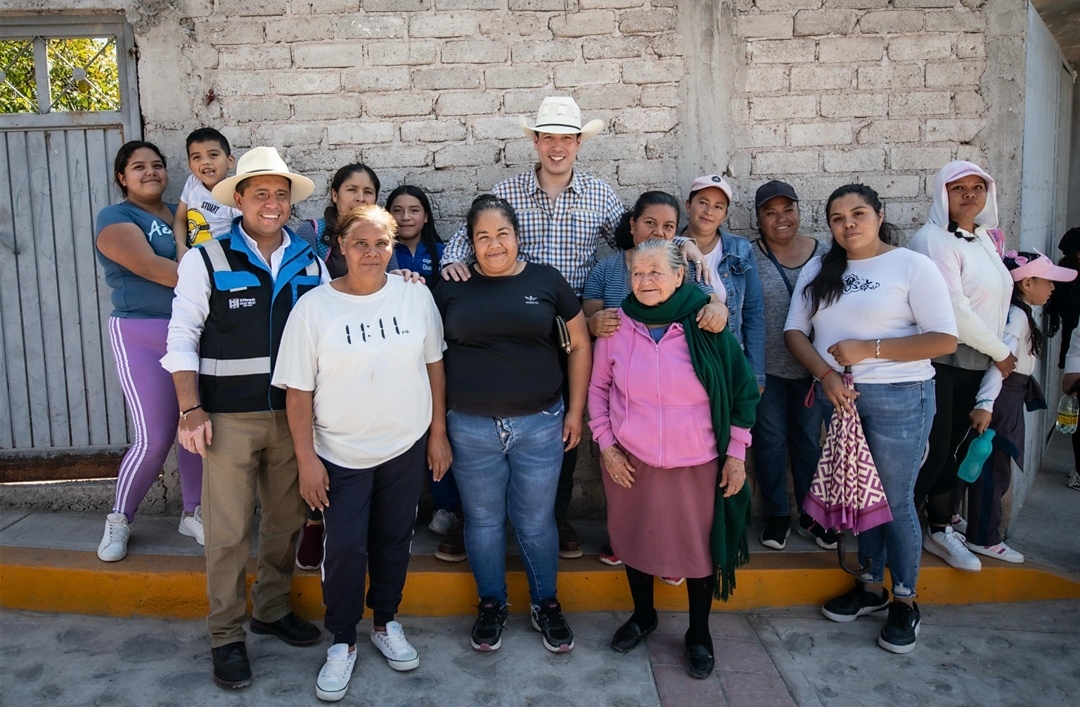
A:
(699, 592)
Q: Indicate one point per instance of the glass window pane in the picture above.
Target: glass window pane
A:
(18, 87)
(83, 75)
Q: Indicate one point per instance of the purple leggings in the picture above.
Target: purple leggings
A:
(138, 345)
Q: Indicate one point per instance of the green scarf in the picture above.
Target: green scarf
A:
(722, 368)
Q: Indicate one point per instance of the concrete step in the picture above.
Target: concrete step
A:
(48, 563)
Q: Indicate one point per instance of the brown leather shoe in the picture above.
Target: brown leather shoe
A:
(569, 546)
(452, 547)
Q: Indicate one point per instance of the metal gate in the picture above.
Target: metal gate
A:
(69, 101)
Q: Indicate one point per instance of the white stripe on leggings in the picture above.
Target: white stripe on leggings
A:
(137, 453)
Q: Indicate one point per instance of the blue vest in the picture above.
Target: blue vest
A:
(248, 311)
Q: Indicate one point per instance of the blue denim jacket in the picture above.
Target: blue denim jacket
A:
(746, 304)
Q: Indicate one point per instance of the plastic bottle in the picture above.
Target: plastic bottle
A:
(978, 452)
(1067, 414)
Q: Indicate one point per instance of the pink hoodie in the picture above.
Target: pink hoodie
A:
(645, 396)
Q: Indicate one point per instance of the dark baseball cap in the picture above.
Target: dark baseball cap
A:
(770, 190)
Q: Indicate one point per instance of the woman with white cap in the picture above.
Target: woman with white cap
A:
(731, 262)
(957, 238)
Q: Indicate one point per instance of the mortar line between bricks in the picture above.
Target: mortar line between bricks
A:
(798, 686)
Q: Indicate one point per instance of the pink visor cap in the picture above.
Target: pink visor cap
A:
(1039, 267)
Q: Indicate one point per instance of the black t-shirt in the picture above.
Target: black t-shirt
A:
(501, 359)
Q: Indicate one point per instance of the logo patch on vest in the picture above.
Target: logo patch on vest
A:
(238, 302)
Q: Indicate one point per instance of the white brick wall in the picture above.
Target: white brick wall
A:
(897, 86)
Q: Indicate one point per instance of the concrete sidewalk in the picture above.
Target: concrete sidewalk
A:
(987, 655)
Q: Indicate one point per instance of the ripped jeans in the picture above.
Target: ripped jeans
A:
(896, 418)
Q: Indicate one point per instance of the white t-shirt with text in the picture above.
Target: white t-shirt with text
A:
(207, 218)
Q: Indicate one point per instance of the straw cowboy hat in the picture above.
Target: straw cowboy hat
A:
(259, 161)
(560, 115)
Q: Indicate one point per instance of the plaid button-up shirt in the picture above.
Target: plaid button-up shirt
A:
(564, 235)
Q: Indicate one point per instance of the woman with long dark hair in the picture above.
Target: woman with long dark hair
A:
(418, 245)
(879, 312)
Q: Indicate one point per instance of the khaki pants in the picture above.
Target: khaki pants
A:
(251, 457)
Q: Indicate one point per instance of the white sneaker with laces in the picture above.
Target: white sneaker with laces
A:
(191, 526)
(442, 522)
(950, 547)
(113, 546)
(397, 650)
(333, 680)
(1001, 551)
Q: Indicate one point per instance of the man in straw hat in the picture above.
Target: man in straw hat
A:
(233, 296)
(563, 214)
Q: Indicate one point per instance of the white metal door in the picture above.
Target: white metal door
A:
(59, 132)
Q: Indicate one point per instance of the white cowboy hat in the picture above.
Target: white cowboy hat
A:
(260, 161)
(560, 115)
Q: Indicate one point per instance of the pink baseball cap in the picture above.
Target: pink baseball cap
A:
(712, 180)
(1040, 266)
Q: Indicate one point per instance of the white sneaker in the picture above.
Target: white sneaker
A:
(1000, 551)
(950, 547)
(393, 645)
(191, 526)
(442, 522)
(113, 546)
(333, 680)
(958, 523)
(1074, 481)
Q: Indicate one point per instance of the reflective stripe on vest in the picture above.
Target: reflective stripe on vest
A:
(234, 367)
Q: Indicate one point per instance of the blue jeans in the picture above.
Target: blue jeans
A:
(785, 425)
(896, 418)
(509, 466)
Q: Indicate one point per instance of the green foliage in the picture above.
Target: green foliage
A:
(83, 75)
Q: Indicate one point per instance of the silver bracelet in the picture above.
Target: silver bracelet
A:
(877, 348)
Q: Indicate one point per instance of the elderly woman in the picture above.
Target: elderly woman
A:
(731, 262)
(363, 465)
(958, 237)
(665, 398)
(137, 251)
(880, 312)
(507, 421)
(784, 422)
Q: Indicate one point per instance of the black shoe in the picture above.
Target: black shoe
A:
(901, 629)
(777, 529)
(569, 545)
(488, 627)
(699, 661)
(547, 618)
(290, 628)
(630, 634)
(452, 547)
(854, 603)
(810, 528)
(231, 666)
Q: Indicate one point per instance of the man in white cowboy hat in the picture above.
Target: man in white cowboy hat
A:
(232, 298)
(562, 214)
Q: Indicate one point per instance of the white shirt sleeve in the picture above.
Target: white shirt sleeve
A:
(434, 345)
(990, 387)
(190, 308)
(298, 354)
(1072, 358)
(926, 295)
(798, 318)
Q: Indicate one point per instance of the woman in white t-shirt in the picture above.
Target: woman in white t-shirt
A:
(361, 360)
(881, 312)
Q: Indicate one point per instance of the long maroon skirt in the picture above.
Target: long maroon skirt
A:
(661, 524)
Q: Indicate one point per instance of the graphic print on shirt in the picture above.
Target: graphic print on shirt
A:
(366, 332)
(158, 228)
(198, 230)
(854, 283)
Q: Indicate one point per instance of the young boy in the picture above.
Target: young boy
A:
(199, 217)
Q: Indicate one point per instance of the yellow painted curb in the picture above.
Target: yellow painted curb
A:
(175, 586)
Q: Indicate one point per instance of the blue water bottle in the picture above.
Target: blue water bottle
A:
(978, 452)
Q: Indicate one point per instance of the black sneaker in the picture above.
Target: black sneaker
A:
(855, 603)
(810, 528)
(547, 618)
(231, 666)
(569, 545)
(777, 529)
(290, 628)
(901, 629)
(489, 625)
